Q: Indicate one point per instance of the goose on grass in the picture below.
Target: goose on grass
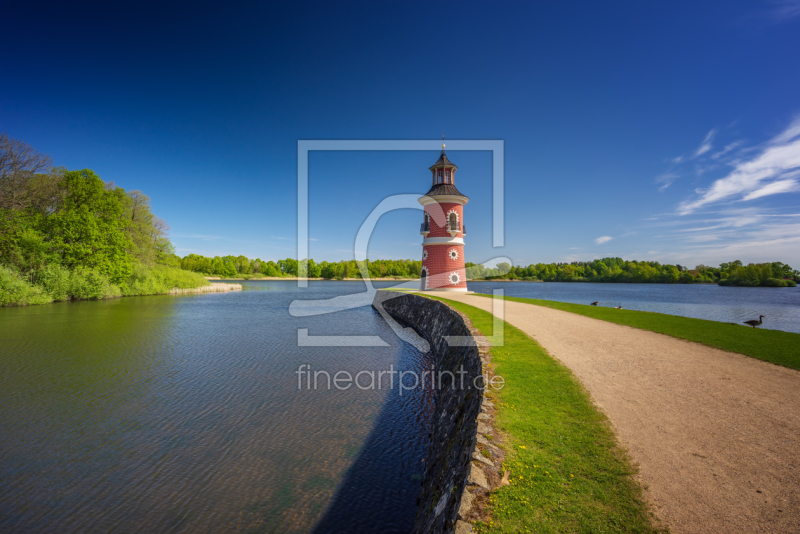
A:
(754, 323)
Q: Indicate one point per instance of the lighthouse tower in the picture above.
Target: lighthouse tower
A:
(443, 245)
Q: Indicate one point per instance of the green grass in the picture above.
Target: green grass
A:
(568, 473)
(774, 346)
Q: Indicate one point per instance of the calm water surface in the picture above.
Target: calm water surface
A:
(780, 305)
(182, 414)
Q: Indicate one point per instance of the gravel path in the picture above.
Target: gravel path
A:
(716, 435)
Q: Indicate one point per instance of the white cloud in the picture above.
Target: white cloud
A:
(603, 239)
(751, 234)
(781, 155)
(706, 145)
(774, 188)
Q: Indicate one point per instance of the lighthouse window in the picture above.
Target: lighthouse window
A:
(447, 177)
(440, 178)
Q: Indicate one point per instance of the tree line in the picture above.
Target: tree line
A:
(616, 270)
(775, 274)
(243, 267)
(67, 234)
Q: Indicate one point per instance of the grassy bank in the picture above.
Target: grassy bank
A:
(56, 283)
(774, 346)
(568, 474)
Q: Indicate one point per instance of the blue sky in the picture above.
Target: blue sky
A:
(665, 131)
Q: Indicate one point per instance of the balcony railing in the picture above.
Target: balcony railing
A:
(450, 227)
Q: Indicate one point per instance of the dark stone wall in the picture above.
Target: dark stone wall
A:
(454, 427)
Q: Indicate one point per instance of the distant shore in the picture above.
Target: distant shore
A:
(295, 278)
(213, 288)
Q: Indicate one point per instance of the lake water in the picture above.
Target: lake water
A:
(183, 414)
(779, 305)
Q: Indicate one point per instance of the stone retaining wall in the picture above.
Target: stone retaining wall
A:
(449, 464)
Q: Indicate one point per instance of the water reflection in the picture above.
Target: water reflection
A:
(176, 414)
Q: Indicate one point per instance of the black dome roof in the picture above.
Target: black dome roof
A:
(442, 162)
(444, 189)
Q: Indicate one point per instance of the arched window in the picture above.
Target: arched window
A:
(453, 221)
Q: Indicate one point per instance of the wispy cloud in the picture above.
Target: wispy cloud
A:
(785, 10)
(666, 180)
(750, 233)
(706, 145)
(773, 164)
(197, 236)
(774, 188)
(603, 239)
(281, 238)
(728, 148)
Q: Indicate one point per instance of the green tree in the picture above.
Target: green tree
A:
(89, 230)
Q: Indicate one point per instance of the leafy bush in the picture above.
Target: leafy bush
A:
(15, 291)
(90, 284)
(160, 280)
(55, 280)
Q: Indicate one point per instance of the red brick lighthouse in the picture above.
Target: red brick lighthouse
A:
(443, 245)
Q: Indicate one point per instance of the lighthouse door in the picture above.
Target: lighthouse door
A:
(423, 278)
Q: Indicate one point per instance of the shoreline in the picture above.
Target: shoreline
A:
(211, 288)
(383, 279)
(388, 279)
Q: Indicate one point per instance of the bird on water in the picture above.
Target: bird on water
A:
(754, 323)
(595, 303)
(617, 307)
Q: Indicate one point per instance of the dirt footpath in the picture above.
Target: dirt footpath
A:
(716, 434)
